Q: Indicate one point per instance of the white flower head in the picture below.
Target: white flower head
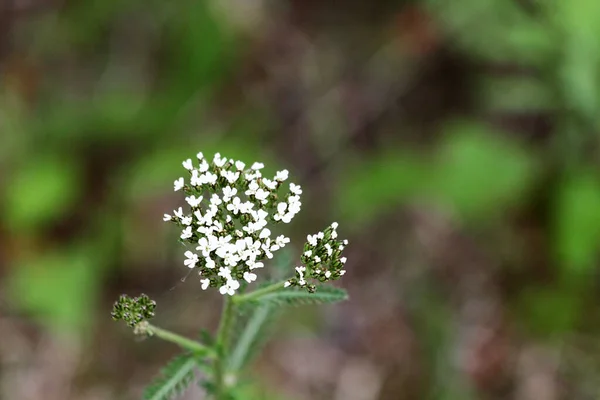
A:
(231, 219)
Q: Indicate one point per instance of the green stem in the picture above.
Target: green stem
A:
(181, 341)
(258, 293)
(222, 342)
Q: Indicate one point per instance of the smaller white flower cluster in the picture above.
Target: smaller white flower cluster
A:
(230, 208)
(322, 259)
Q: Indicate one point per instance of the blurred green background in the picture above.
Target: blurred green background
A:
(456, 143)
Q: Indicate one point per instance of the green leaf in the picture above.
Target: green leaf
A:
(479, 172)
(380, 183)
(516, 94)
(253, 336)
(577, 221)
(551, 311)
(41, 191)
(173, 380)
(299, 297)
(58, 288)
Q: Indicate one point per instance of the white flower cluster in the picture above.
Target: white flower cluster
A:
(322, 259)
(230, 207)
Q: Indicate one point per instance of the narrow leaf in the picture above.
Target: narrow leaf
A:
(298, 297)
(173, 380)
(253, 336)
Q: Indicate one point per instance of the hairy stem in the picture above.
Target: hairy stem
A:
(258, 293)
(222, 342)
(181, 341)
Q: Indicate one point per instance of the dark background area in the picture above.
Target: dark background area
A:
(455, 141)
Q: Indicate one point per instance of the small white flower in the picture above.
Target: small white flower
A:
(320, 235)
(262, 195)
(228, 193)
(225, 272)
(219, 161)
(312, 240)
(178, 184)
(240, 165)
(334, 225)
(192, 259)
(230, 176)
(235, 205)
(195, 179)
(308, 253)
(286, 284)
(282, 175)
(281, 240)
(210, 178)
(167, 217)
(295, 189)
(249, 277)
(200, 156)
(230, 287)
(252, 188)
(203, 166)
(343, 260)
(334, 235)
(187, 220)
(193, 201)
(207, 244)
(187, 164)
(216, 200)
(178, 213)
(345, 242)
(342, 272)
(257, 165)
(271, 185)
(327, 274)
(224, 289)
(187, 233)
(205, 283)
(317, 259)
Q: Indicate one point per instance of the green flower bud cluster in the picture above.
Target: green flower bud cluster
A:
(322, 259)
(133, 310)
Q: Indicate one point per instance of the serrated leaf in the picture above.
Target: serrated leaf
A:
(299, 297)
(253, 335)
(173, 380)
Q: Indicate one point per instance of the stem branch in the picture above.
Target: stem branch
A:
(179, 340)
(222, 343)
(238, 299)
